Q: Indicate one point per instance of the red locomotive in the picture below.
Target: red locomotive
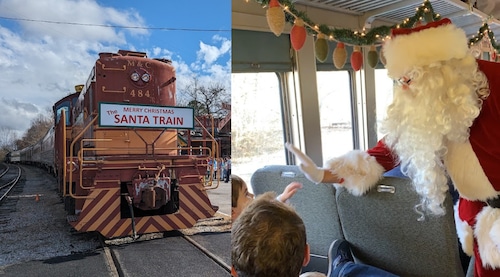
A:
(117, 155)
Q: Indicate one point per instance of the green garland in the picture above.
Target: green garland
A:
(480, 36)
(347, 36)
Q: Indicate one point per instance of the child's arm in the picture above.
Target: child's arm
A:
(289, 191)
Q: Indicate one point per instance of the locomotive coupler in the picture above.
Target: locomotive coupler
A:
(151, 193)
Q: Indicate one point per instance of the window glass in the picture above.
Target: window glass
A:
(334, 96)
(63, 109)
(256, 123)
(383, 95)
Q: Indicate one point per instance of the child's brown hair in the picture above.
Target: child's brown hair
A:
(236, 186)
(273, 245)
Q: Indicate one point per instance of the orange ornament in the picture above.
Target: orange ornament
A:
(274, 4)
(356, 58)
(298, 34)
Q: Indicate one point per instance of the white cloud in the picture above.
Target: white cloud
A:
(78, 12)
(210, 53)
(207, 68)
(207, 57)
(14, 114)
(42, 62)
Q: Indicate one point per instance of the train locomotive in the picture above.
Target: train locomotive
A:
(115, 151)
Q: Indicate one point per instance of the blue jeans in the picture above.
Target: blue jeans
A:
(353, 269)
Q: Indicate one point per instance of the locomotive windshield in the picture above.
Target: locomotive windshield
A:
(63, 108)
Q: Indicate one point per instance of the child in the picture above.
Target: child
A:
(273, 245)
(241, 197)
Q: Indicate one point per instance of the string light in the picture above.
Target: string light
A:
(485, 30)
(373, 37)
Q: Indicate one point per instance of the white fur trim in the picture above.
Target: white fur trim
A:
(467, 173)
(359, 170)
(403, 52)
(465, 233)
(487, 232)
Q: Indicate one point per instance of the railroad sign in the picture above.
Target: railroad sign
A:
(144, 116)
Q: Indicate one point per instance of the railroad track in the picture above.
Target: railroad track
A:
(118, 252)
(4, 168)
(39, 237)
(9, 178)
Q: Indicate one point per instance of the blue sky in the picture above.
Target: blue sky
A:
(48, 46)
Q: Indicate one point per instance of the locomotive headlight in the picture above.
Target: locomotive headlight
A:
(145, 77)
(135, 76)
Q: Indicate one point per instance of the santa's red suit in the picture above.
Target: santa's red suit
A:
(473, 164)
(474, 168)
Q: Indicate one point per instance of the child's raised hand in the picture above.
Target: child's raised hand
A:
(289, 191)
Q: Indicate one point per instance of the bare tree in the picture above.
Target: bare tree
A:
(39, 127)
(8, 139)
(205, 99)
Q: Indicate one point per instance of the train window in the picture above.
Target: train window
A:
(334, 97)
(259, 63)
(383, 95)
(66, 114)
(257, 125)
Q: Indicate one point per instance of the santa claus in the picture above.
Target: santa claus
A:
(441, 124)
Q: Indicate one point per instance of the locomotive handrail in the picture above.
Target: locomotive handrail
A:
(63, 153)
(71, 148)
(124, 89)
(81, 157)
(82, 147)
(164, 162)
(215, 146)
(123, 68)
(81, 160)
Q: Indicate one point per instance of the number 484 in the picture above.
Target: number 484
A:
(140, 93)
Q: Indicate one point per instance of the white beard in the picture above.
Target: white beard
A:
(439, 105)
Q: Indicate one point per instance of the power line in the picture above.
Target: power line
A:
(115, 26)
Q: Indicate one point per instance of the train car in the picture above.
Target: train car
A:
(40, 154)
(120, 169)
(13, 157)
(26, 155)
(47, 150)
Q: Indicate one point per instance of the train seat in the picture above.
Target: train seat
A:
(386, 231)
(315, 203)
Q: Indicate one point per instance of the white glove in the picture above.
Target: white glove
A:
(306, 165)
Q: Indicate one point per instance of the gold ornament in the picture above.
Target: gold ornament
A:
(339, 55)
(275, 17)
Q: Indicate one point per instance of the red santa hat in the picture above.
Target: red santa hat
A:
(434, 42)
